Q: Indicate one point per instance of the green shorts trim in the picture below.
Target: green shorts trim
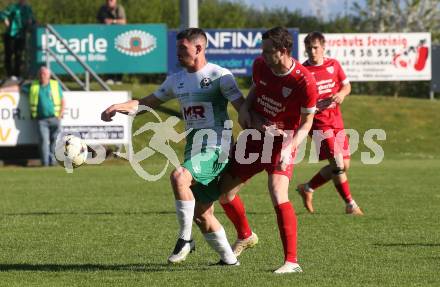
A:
(205, 168)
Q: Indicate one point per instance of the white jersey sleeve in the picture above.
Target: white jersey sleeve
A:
(229, 87)
(165, 91)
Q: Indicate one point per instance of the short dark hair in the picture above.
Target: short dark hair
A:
(191, 34)
(312, 37)
(281, 38)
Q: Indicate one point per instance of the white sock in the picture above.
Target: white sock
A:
(185, 214)
(352, 204)
(308, 188)
(219, 242)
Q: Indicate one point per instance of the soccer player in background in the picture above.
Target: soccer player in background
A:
(328, 126)
(283, 98)
(203, 90)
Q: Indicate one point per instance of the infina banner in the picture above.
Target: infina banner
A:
(379, 56)
(234, 49)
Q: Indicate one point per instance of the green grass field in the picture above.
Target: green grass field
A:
(105, 226)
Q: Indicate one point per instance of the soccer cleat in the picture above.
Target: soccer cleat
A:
(307, 196)
(289, 267)
(181, 250)
(353, 210)
(242, 244)
(223, 263)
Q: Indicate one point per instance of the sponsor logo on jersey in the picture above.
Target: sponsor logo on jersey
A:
(180, 86)
(286, 91)
(135, 43)
(263, 83)
(194, 113)
(330, 69)
(205, 83)
(325, 86)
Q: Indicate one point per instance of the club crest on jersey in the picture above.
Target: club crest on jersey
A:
(330, 69)
(286, 91)
(205, 83)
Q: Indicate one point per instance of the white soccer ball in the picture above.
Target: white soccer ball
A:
(74, 150)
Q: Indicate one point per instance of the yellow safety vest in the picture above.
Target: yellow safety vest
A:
(54, 92)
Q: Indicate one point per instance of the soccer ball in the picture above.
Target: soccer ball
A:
(73, 150)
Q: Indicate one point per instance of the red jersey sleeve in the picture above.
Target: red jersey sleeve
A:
(309, 94)
(341, 74)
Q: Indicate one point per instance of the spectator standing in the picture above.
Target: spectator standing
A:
(18, 19)
(47, 106)
(111, 13)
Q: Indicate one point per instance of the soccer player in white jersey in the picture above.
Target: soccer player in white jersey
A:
(203, 90)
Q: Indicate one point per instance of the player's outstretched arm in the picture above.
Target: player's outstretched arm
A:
(130, 107)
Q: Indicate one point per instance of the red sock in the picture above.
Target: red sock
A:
(344, 191)
(317, 181)
(237, 214)
(286, 218)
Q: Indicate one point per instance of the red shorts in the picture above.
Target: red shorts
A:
(270, 163)
(332, 142)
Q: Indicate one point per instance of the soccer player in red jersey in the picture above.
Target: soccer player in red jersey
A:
(328, 126)
(281, 104)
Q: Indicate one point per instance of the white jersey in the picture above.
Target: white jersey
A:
(203, 97)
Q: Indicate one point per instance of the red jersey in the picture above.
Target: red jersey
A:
(329, 79)
(282, 98)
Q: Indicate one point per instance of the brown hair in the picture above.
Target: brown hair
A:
(312, 37)
(281, 38)
(191, 34)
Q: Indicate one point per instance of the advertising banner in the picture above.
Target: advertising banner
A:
(234, 49)
(379, 56)
(106, 49)
(82, 116)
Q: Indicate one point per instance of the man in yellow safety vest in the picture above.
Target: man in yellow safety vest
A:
(47, 105)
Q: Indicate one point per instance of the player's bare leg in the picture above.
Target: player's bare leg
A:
(234, 209)
(214, 233)
(286, 218)
(181, 180)
(340, 180)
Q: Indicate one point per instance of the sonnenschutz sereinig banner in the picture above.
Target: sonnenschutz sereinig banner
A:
(107, 49)
(379, 56)
(234, 49)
